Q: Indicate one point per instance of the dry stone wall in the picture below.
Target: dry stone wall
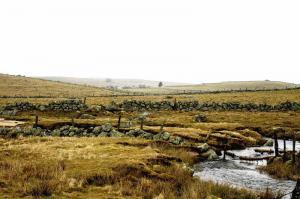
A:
(66, 105)
(196, 105)
(135, 105)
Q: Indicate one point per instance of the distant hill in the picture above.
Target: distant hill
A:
(11, 85)
(148, 86)
(108, 82)
(211, 87)
(239, 85)
(21, 86)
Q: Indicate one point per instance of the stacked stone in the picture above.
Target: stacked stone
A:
(135, 105)
(99, 131)
(205, 152)
(195, 105)
(67, 105)
(20, 106)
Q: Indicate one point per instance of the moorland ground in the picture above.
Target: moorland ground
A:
(99, 167)
(102, 168)
(20, 86)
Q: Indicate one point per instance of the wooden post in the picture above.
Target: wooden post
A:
(276, 144)
(72, 121)
(296, 191)
(84, 100)
(225, 143)
(142, 123)
(225, 149)
(294, 149)
(175, 104)
(284, 147)
(36, 121)
(119, 121)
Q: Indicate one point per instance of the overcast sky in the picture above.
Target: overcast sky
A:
(170, 40)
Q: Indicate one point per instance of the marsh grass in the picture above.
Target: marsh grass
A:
(32, 177)
(100, 168)
(282, 170)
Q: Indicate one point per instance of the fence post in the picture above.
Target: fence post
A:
(175, 104)
(72, 121)
(294, 149)
(142, 123)
(36, 121)
(225, 143)
(225, 150)
(276, 143)
(284, 147)
(119, 121)
(296, 191)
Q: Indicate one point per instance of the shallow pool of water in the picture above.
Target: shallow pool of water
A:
(9, 123)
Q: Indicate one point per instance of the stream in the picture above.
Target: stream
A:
(243, 174)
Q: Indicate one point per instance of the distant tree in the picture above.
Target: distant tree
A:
(160, 84)
(126, 87)
(142, 86)
(108, 80)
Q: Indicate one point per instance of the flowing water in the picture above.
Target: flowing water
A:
(244, 174)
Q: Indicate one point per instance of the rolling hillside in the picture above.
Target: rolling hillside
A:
(20, 86)
(222, 86)
(239, 85)
(108, 82)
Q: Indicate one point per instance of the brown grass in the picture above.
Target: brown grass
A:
(190, 130)
(26, 87)
(222, 86)
(269, 97)
(282, 170)
(100, 168)
(60, 91)
(237, 85)
(233, 124)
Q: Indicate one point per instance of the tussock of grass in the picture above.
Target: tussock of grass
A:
(250, 133)
(282, 170)
(33, 178)
(201, 189)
